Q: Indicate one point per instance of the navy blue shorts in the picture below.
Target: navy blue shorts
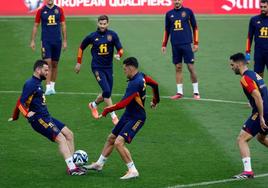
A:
(260, 60)
(51, 50)
(252, 125)
(105, 80)
(49, 127)
(127, 128)
(184, 52)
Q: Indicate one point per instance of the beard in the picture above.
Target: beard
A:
(263, 13)
(236, 71)
(42, 77)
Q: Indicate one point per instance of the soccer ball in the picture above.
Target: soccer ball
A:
(80, 157)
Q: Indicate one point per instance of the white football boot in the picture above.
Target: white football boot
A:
(130, 174)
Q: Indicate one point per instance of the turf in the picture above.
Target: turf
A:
(182, 142)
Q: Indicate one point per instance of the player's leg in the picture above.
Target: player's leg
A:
(46, 55)
(69, 138)
(108, 146)
(126, 136)
(259, 62)
(108, 101)
(49, 129)
(188, 55)
(248, 131)
(262, 138)
(177, 61)
(106, 151)
(56, 51)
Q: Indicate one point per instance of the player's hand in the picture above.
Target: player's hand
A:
(117, 57)
(64, 45)
(195, 48)
(247, 57)
(164, 50)
(153, 105)
(263, 124)
(32, 45)
(77, 68)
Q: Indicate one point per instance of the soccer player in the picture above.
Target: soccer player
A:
(181, 25)
(131, 121)
(256, 125)
(103, 42)
(258, 28)
(53, 26)
(32, 104)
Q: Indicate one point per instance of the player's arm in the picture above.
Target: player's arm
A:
(35, 28)
(122, 104)
(259, 103)
(149, 81)
(118, 47)
(131, 93)
(21, 106)
(63, 28)
(195, 31)
(251, 31)
(83, 45)
(166, 34)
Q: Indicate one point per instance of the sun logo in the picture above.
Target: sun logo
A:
(33, 4)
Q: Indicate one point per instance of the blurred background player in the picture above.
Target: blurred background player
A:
(258, 28)
(53, 26)
(32, 104)
(103, 42)
(181, 25)
(131, 121)
(257, 94)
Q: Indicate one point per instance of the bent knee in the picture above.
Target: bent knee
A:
(106, 94)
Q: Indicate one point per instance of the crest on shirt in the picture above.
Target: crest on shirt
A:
(96, 39)
(109, 38)
(172, 16)
(183, 14)
(97, 75)
(56, 11)
(33, 4)
(258, 22)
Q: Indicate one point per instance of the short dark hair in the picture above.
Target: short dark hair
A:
(238, 57)
(39, 64)
(103, 17)
(131, 61)
(264, 1)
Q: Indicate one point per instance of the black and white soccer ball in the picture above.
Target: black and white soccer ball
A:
(80, 157)
(33, 4)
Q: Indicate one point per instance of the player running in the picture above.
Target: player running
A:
(102, 44)
(256, 125)
(132, 120)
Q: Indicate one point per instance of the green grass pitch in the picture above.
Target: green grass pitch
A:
(182, 142)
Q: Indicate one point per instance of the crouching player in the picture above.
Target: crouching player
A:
(131, 121)
(32, 105)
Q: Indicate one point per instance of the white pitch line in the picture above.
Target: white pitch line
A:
(214, 182)
(163, 97)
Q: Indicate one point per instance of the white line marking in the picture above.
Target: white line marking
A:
(214, 182)
(117, 94)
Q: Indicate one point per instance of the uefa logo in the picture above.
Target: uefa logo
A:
(33, 4)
